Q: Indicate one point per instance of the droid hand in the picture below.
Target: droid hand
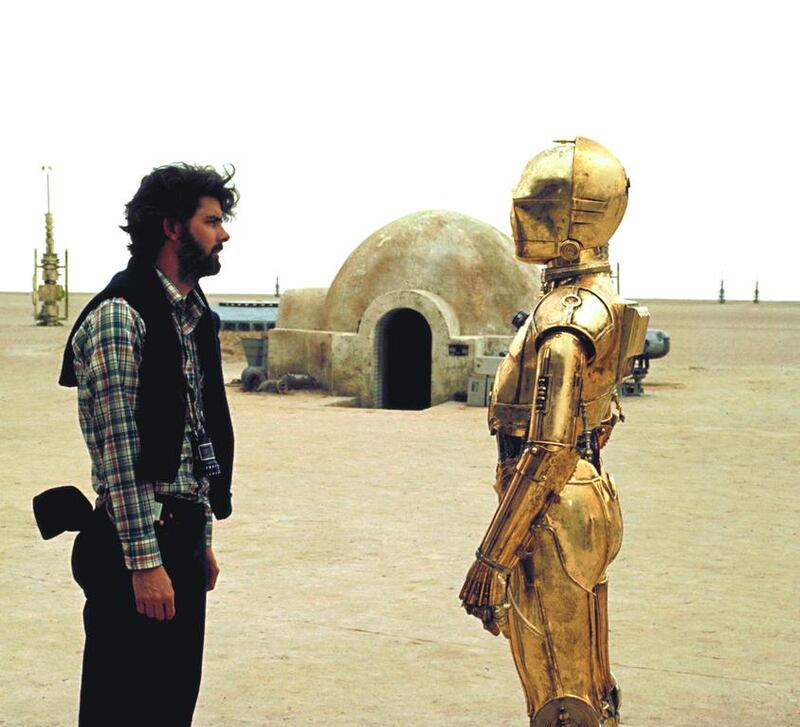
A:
(487, 617)
(484, 589)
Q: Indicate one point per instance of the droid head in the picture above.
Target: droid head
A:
(568, 203)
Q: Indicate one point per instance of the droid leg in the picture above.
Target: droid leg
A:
(611, 700)
(557, 619)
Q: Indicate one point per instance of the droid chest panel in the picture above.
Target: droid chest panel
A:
(609, 330)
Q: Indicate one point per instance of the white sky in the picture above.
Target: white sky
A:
(342, 116)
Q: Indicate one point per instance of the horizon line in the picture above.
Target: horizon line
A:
(634, 297)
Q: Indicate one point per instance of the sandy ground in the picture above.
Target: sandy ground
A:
(352, 531)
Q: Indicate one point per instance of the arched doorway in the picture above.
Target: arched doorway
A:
(403, 351)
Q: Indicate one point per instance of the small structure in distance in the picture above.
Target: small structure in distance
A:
(247, 315)
(49, 293)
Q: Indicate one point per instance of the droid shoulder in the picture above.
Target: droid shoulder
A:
(585, 312)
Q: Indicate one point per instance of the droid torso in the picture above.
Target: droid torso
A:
(611, 331)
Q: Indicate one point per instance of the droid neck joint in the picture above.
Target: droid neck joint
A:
(589, 262)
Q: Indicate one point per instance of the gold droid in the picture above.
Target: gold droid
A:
(540, 572)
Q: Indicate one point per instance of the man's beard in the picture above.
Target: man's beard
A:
(193, 263)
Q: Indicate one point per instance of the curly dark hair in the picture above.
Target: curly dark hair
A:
(173, 192)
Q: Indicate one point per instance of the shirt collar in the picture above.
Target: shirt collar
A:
(188, 308)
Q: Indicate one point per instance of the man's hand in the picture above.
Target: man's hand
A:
(213, 569)
(153, 592)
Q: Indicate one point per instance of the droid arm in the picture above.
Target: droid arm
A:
(546, 463)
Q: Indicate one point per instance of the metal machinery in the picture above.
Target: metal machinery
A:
(255, 373)
(479, 385)
(49, 293)
(656, 345)
(244, 316)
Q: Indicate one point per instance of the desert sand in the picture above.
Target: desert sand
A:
(353, 528)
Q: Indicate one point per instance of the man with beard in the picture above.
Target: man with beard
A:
(144, 356)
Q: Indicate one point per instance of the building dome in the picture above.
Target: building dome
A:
(464, 261)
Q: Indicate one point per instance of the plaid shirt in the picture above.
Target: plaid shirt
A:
(108, 351)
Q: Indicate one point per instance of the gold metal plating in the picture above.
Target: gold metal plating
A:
(570, 199)
(540, 577)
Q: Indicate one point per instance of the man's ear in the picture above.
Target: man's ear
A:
(172, 229)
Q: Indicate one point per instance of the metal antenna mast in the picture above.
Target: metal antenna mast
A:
(49, 293)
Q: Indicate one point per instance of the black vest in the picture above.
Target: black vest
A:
(161, 414)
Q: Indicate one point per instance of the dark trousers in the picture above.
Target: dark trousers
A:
(137, 670)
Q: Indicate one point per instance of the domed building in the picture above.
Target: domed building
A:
(408, 313)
